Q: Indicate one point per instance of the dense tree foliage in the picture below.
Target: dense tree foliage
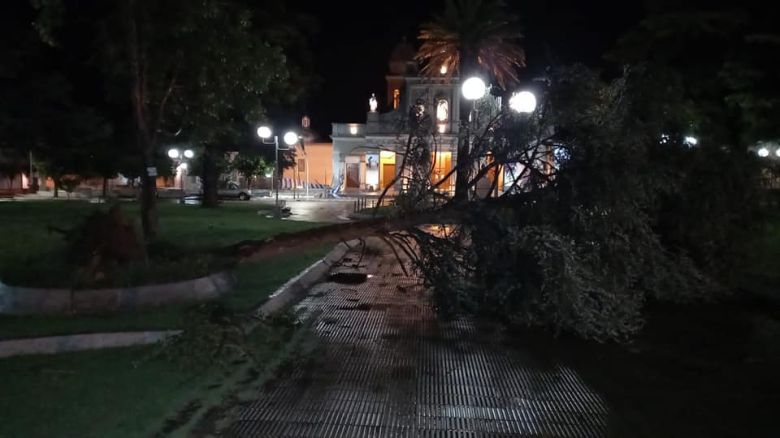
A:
(618, 191)
(177, 71)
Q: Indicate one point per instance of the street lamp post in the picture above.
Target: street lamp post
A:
(290, 138)
(474, 88)
(180, 158)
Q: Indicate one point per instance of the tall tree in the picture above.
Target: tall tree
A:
(185, 71)
(710, 75)
(471, 37)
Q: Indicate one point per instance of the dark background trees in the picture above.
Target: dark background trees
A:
(172, 71)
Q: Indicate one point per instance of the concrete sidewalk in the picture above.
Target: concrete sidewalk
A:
(383, 365)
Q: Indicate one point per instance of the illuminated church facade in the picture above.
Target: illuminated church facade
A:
(367, 156)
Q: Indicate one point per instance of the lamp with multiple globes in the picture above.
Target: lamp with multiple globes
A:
(290, 138)
(179, 158)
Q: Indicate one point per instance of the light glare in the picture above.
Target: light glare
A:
(473, 88)
(264, 132)
(173, 153)
(290, 138)
(523, 102)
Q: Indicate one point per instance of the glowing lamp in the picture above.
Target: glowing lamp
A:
(523, 102)
(473, 88)
(290, 138)
(264, 132)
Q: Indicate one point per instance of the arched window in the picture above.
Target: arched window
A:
(442, 110)
(396, 98)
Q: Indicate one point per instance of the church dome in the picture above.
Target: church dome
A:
(402, 58)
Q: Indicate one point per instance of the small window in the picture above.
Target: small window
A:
(396, 98)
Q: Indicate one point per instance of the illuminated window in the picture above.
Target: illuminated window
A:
(396, 98)
(442, 110)
(305, 121)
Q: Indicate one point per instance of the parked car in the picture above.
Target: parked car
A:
(233, 191)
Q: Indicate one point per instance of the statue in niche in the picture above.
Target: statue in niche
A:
(442, 110)
(372, 103)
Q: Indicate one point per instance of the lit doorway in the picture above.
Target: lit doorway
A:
(387, 166)
(442, 164)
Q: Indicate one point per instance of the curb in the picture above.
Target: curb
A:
(291, 291)
(297, 286)
(91, 341)
(34, 301)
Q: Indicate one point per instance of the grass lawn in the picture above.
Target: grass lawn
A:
(133, 392)
(27, 245)
(255, 281)
(127, 392)
(33, 256)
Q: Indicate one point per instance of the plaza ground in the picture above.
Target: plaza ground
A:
(377, 362)
(374, 357)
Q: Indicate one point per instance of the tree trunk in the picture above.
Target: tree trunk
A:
(210, 177)
(149, 220)
(145, 144)
(56, 188)
(105, 187)
(468, 68)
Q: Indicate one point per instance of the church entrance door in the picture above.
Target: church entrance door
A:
(353, 175)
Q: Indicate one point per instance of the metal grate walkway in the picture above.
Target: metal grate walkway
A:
(385, 367)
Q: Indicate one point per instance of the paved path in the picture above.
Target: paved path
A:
(383, 366)
(315, 210)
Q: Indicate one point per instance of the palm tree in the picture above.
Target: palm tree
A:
(472, 35)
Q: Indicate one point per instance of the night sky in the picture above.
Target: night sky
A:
(353, 44)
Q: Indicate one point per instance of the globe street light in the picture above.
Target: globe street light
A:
(473, 88)
(522, 102)
(290, 138)
(763, 152)
(179, 158)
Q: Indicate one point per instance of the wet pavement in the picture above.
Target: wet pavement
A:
(379, 364)
(314, 210)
